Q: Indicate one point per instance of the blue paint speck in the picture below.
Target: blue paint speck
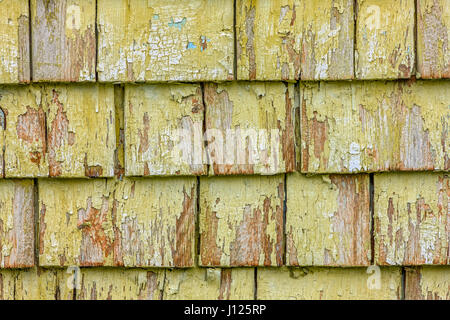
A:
(178, 24)
(191, 45)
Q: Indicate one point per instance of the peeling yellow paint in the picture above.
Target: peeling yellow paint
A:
(431, 283)
(16, 223)
(241, 221)
(120, 284)
(412, 218)
(328, 284)
(64, 40)
(23, 134)
(43, 284)
(209, 284)
(250, 127)
(328, 38)
(165, 41)
(385, 39)
(327, 220)
(58, 130)
(268, 39)
(14, 40)
(375, 126)
(106, 222)
(7, 282)
(433, 35)
(164, 130)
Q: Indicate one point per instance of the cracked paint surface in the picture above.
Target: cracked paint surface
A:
(58, 131)
(16, 224)
(327, 284)
(241, 221)
(163, 130)
(250, 127)
(14, 39)
(412, 218)
(430, 283)
(374, 126)
(141, 40)
(35, 284)
(328, 220)
(209, 283)
(292, 39)
(433, 35)
(106, 222)
(120, 284)
(327, 40)
(382, 50)
(64, 40)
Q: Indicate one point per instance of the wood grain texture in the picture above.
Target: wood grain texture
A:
(412, 219)
(327, 40)
(268, 39)
(14, 42)
(106, 222)
(16, 223)
(57, 130)
(385, 46)
(209, 284)
(328, 284)
(433, 35)
(427, 283)
(141, 40)
(250, 127)
(64, 40)
(164, 130)
(327, 220)
(120, 284)
(293, 39)
(35, 284)
(241, 221)
(375, 126)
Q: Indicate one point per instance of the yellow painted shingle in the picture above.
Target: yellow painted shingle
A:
(375, 126)
(385, 39)
(250, 127)
(120, 284)
(241, 221)
(433, 35)
(164, 130)
(104, 222)
(16, 223)
(327, 220)
(14, 41)
(64, 40)
(141, 40)
(431, 283)
(209, 283)
(412, 218)
(329, 283)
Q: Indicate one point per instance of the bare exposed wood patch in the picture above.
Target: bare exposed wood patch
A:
(64, 43)
(16, 224)
(165, 40)
(328, 220)
(433, 33)
(241, 223)
(385, 39)
(412, 219)
(131, 223)
(374, 126)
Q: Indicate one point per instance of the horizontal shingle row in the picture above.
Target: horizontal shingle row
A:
(138, 40)
(138, 222)
(261, 128)
(215, 283)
